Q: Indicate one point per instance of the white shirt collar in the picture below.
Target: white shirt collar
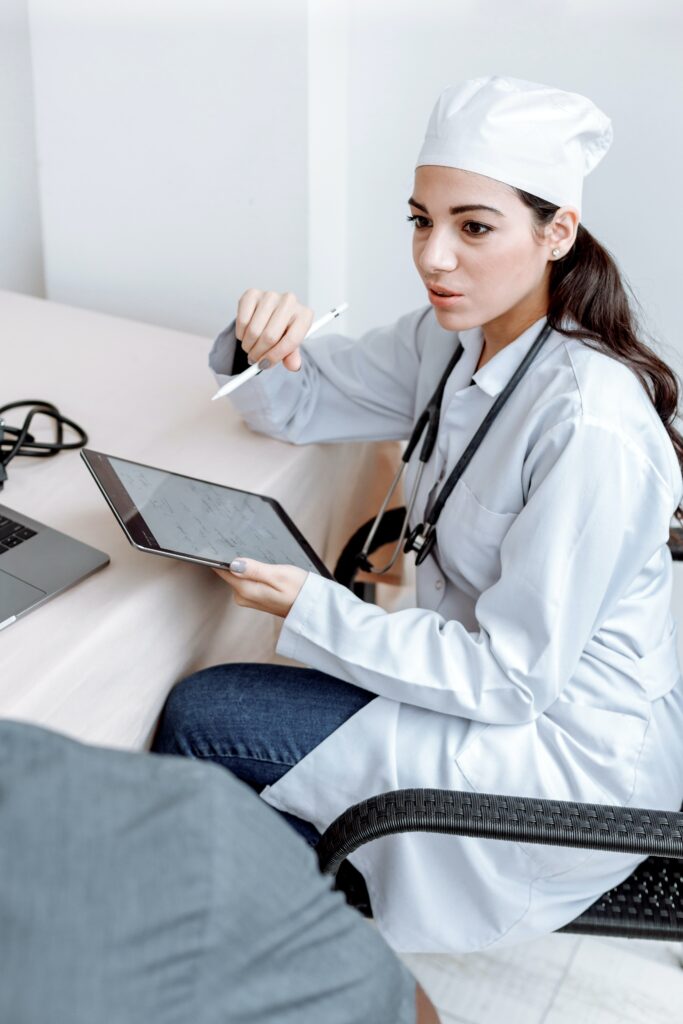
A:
(495, 374)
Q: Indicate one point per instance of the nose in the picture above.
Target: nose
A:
(438, 255)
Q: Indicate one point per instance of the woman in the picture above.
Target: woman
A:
(541, 658)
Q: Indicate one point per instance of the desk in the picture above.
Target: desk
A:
(98, 661)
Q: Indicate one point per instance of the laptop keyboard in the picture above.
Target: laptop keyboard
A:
(12, 534)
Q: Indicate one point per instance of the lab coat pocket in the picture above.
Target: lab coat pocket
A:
(469, 538)
(573, 752)
(658, 670)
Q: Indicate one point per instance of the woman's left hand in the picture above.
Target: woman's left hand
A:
(268, 588)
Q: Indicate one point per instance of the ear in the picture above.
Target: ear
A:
(561, 232)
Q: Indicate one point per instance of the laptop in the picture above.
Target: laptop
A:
(37, 563)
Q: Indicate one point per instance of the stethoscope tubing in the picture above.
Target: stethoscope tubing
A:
(422, 537)
(429, 418)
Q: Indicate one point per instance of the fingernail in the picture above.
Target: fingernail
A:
(264, 364)
(249, 359)
(238, 565)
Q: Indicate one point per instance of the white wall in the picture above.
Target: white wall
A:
(21, 257)
(190, 149)
(173, 147)
(328, 155)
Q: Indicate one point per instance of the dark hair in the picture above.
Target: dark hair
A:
(586, 285)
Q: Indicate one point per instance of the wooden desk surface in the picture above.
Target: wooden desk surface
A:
(98, 661)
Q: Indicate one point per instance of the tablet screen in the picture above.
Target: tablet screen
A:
(184, 516)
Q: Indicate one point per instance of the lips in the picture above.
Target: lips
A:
(443, 298)
(442, 292)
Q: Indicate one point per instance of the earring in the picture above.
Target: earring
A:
(556, 253)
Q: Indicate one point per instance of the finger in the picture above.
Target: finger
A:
(254, 595)
(291, 340)
(248, 593)
(232, 579)
(265, 308)
(245, 310)
(281, 320)
(266, 578)
(225, 574)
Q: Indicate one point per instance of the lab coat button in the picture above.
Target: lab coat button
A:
(438, 584)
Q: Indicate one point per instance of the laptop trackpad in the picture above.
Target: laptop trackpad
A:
(16, 596)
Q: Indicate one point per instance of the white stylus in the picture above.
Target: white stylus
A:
(253, 370)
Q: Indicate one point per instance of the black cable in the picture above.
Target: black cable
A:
(18, 441)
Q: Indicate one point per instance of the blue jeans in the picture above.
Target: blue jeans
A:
(256, 720)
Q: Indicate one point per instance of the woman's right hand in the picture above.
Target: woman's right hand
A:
(272, 326)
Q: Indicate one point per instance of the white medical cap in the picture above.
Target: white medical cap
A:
(536, 138)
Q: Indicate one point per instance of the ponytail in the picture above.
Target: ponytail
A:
(586, 286)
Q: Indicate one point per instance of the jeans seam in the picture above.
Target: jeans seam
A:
(242, 757)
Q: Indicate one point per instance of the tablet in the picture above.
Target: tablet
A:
(197, 521)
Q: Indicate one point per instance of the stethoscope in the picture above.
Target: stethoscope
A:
(16, 441)
(423, 536)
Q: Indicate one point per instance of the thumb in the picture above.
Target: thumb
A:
(293, 360)
(249, 569)
(241, 567)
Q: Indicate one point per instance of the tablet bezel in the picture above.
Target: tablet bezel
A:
(136, 529)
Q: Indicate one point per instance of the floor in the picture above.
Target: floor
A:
(561, 979)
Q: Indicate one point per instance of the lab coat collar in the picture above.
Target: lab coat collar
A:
(495, 374)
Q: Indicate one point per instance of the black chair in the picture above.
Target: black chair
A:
(647, 905)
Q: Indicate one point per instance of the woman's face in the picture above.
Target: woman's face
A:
(475, 237)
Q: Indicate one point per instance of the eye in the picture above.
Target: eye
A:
(485, 229)
(420, 222)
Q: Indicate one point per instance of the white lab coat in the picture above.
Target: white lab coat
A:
(541, 657)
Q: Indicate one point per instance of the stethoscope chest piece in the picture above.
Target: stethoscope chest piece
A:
(420, 539)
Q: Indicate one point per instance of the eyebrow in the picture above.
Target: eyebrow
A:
(458, 209)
